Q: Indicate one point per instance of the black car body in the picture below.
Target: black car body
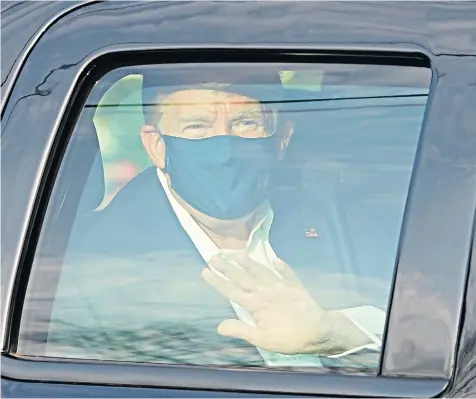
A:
(49, 51)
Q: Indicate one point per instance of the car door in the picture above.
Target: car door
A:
(386, 192)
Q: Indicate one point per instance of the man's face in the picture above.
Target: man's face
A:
(217, 150)
(196, 114)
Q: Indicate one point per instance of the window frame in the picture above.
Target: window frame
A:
(396, 377)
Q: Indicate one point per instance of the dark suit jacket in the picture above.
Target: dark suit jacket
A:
(138, 265)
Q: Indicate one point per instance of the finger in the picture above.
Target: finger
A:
(236, 274)
(237, 329)
(226, 288)
(288, 274)
(256, 270)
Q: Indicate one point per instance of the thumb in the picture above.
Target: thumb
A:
(237, 329)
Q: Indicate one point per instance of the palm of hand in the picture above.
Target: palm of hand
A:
(287, 319)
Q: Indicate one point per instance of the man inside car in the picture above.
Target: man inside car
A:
(215, 149)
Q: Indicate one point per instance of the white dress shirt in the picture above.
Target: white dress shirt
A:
(370, 320)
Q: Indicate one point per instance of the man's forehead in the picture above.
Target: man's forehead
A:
(207, 101)
(206, 97)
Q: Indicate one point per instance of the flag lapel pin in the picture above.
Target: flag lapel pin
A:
(311, 233)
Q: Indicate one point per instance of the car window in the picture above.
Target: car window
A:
(242, 215)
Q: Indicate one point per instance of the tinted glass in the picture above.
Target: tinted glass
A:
(228, 215)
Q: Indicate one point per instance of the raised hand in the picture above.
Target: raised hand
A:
(288, 320)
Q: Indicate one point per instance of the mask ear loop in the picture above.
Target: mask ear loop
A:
(167, 158)
(270, 119)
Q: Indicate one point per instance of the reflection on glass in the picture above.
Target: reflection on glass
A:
(251, 217)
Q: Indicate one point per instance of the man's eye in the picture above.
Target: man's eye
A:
(247, 123)
(195, 127)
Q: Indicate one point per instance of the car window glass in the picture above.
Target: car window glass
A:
(240, 215)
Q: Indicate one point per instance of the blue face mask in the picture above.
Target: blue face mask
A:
(225, 177)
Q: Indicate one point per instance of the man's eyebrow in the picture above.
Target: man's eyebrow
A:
(247, 114)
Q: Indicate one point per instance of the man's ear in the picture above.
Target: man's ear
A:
(285, 137)
(154, 145)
